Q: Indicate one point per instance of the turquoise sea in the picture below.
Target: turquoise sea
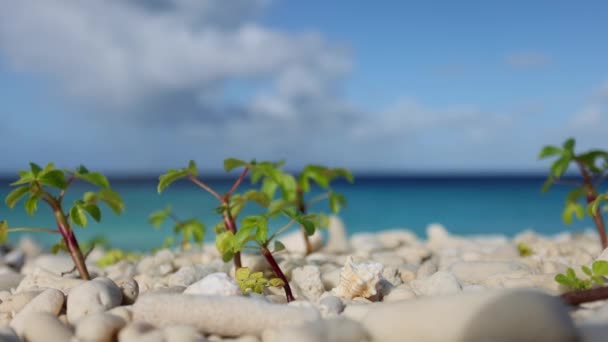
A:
(464, 204)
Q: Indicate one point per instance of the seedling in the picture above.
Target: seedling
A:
(591, 174)
(50, 185)
(524, 250)
(115, 255)
(293, 190)
(596, 274)
(191, 229)
(255, 282)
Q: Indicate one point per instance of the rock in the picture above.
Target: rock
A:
(140, 331)
(439, 284)
(394, 238)
(29, 247)
(40, 279)
(398, 293)
(427, 269)
(188, 275)
(513, 315)
(123, 312)
(392, 275)
(308, 280)
(10, 281)
(593, 332)
(338, 329)
(294, 242)
(49, 301)
(365, 243)
(478, 271)
(43, 327)
(437, 234)
(331, 278)
(16, 302)
(7, 334)
(414, 254)
(337, 241)
(123, 269)
(94, 296)
(330, 306)
(182, 333)
(15, 258)
(159, 265)
(603, 255)
(54, 263)
(219, 284)
(388, 258)
(216, 315)
(129, 289)
(99, 327)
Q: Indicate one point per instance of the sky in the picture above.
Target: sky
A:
(392, 86)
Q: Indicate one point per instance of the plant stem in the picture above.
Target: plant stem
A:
(237, 182)
(72, 244)
(591, 195)
(302, 210)
(205, 187)
(282, 229)
(578, 297)
(277, 271)
(28, 229)
(230, 223)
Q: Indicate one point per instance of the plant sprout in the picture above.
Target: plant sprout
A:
(591, 174)
(596, 274)
(255, 282)
(524, 250)
(293, 190)
(50, 185)
(191, 229)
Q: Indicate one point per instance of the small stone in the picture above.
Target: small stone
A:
(437, 234)
(43, 327)
(140, 331)
(94, 296)
(478, 271)
(339, 329)
(365, 243)
(99, 327)
(129, 289)
(337, 241)
(308, 280)
(54, 263)
(188, 275)
(398, 293)
(294, 242)
(331, 278)
(41, 278)
(49, 301)
(219, 284)
(427, 269)
(15, 258)
(330, 306)
(440, 283)
(392, 275)
(7, 334)
(123, 312)
(29, 247)
(182, 333)
(10, 281)
(16, 302)
(394, 238)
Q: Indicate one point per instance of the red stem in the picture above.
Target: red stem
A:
(205, 187)
(591, 196)
(579, 297)
(277, 271)
(238, 182)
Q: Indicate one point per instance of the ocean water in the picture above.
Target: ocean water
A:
(466, 205)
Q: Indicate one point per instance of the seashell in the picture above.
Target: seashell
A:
(358, 279)
(215, 284)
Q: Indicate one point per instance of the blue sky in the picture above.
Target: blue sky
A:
(390, 86)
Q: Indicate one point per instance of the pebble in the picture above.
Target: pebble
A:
(478, 271)
(129, 289)
(339, 329)
(99, 327)
(330, 306)
(49, 301)
(7, 334)
(10, 281)
(94, 296)
(439, 284)
(506, 315)
(294, 241)
(188, 275)
(337, 241)
(40, 278)
(216, 315)
(308, 280)
(16, 302)
(218, 283)
(44, 327)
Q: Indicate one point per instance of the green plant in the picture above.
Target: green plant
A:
(255, 282)
(115, 255)
(191, 229)
(50, 185)
(294, 189)
(591, 173)
(524, 250)
(596, 274)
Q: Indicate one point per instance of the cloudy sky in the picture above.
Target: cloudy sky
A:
(392, 86)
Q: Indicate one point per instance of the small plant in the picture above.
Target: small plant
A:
(115, 255)
(50, 185)
(255, 282)
(592, 175)
(524, 250)
(293, 190)
(191, 229)
(596, 274)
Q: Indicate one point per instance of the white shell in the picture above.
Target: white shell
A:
(215, 284)
(358, 279)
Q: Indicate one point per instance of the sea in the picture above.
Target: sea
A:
(464, 204)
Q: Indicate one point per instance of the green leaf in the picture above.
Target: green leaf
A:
(570, 273)
(586, 270)
(112, 200)
(54, 178)
(157, 218)
(242, 273)
(227, 256)
(569, 145)
(93, 210)
(572, 208)
(590, 159)
(232, 163)
(78, 215)
(547, 184)
(257, 222)
(269, 187)
(309, 226)
(35, 169)
(242, 237)
(59, 247)
(224, 242)
(344, 173)
(31, 204)
(596, 203)
(598, 280)
(278, 246)
(560, 166)
(94, 178)
(3, 231)
(576, 194)
(549, 151)
(564, 280)
(258, 197)
(26, 177)
(195, 228)
(600, 268)
(170, 177)
(336, 202)
(276, 282)
(14, 196)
